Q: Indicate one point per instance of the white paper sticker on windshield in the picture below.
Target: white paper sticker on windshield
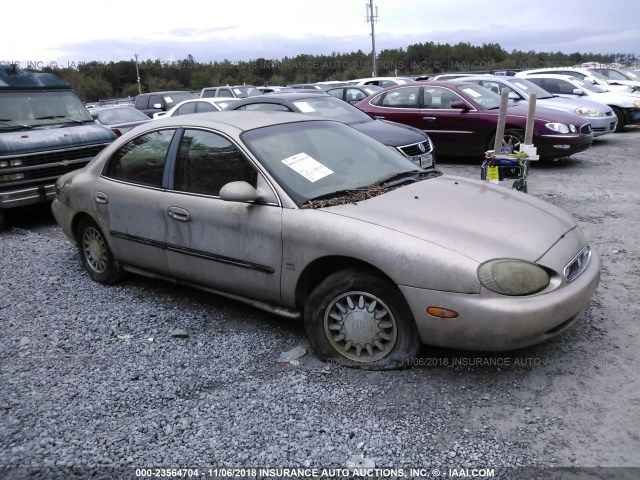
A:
(471, 92)
(237, 91)
(305, 107)
(524, 87)
(308, 167)
(168, 99)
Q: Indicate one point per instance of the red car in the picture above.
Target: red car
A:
(461, 119)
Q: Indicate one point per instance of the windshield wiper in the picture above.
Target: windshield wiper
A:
(53, 117)
(400, 178)
(14, 124)
(339, 193)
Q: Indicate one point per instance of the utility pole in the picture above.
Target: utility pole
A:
(373, 18)
(138, 73)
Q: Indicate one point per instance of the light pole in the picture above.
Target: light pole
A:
(373, 18)
(138, 73)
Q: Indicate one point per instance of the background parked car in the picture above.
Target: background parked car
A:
(236, 91)
(621, 75)
(282, 210)
(120, 119)
(590, 76)
(197, 105)
(354, 93)
(461, 119)
(603, 119)
(150, 103)
(625, 106)
(382, 81)
(411, 142)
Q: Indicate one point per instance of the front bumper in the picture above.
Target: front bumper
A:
(27, 196)
(557, 146)
(603, 125)
(501, 323)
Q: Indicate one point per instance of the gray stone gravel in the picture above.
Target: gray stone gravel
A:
(145, 374)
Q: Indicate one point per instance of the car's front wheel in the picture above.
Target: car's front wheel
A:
(96, 255)
(622, 121)
(358, 319)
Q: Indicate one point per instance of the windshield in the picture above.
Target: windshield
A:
(319, 158)
(244, 92)
(588, 86)
(481, 96)
(332, 108)
(30, 109)
(630, 74)
(530, 88)
(174, 98)
(112, 116)
(598, 76)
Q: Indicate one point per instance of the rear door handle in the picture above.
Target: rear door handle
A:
(179, 214)
(101, 197)
(379, 117)
(429, 119)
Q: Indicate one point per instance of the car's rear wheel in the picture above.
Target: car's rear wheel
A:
(96, 255)
(358, 319)
(621, 119)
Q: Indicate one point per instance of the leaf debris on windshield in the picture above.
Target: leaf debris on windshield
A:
(354, 196)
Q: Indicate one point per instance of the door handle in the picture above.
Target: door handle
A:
(179, 214)
(101, 197)
(379, 117)
(429, 119)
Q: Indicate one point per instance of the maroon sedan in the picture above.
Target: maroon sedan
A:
(461, 119)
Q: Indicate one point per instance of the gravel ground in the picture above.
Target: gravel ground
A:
(96, 381)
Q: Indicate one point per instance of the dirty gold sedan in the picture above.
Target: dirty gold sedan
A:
(305, 217)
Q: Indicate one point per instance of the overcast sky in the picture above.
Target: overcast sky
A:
(68, 31)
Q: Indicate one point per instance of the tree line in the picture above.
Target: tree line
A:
(101, 80)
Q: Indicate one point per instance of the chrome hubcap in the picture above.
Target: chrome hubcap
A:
(95, 250)
(360, 327)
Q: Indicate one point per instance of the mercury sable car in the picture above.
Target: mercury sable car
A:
(310, 218)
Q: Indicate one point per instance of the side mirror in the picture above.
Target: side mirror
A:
(590, 79)
(460, 104)
(158, 106)
(239, 192)
(514, 96)
(577, 91)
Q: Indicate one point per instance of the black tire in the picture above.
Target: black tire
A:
(96, 255)
(512, 136)
(622, 121)
(357, 319)
(3, 220)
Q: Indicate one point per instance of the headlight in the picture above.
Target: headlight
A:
(589, 112)
(557, 127)
(512, 277)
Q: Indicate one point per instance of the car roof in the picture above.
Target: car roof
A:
(13, 77)
(234, 120)
(286, 96)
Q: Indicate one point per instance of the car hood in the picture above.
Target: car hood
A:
(571, 104)
(54, 138)
(391, 133)
(473, 218)
(543, 113)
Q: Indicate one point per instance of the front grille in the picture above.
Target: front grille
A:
(578, 264)
(585, 129)
(415, 150)
(56, 156)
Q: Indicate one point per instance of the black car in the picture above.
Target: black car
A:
(411, 142)
(353, 93)
(119, 118)
(150, 103)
